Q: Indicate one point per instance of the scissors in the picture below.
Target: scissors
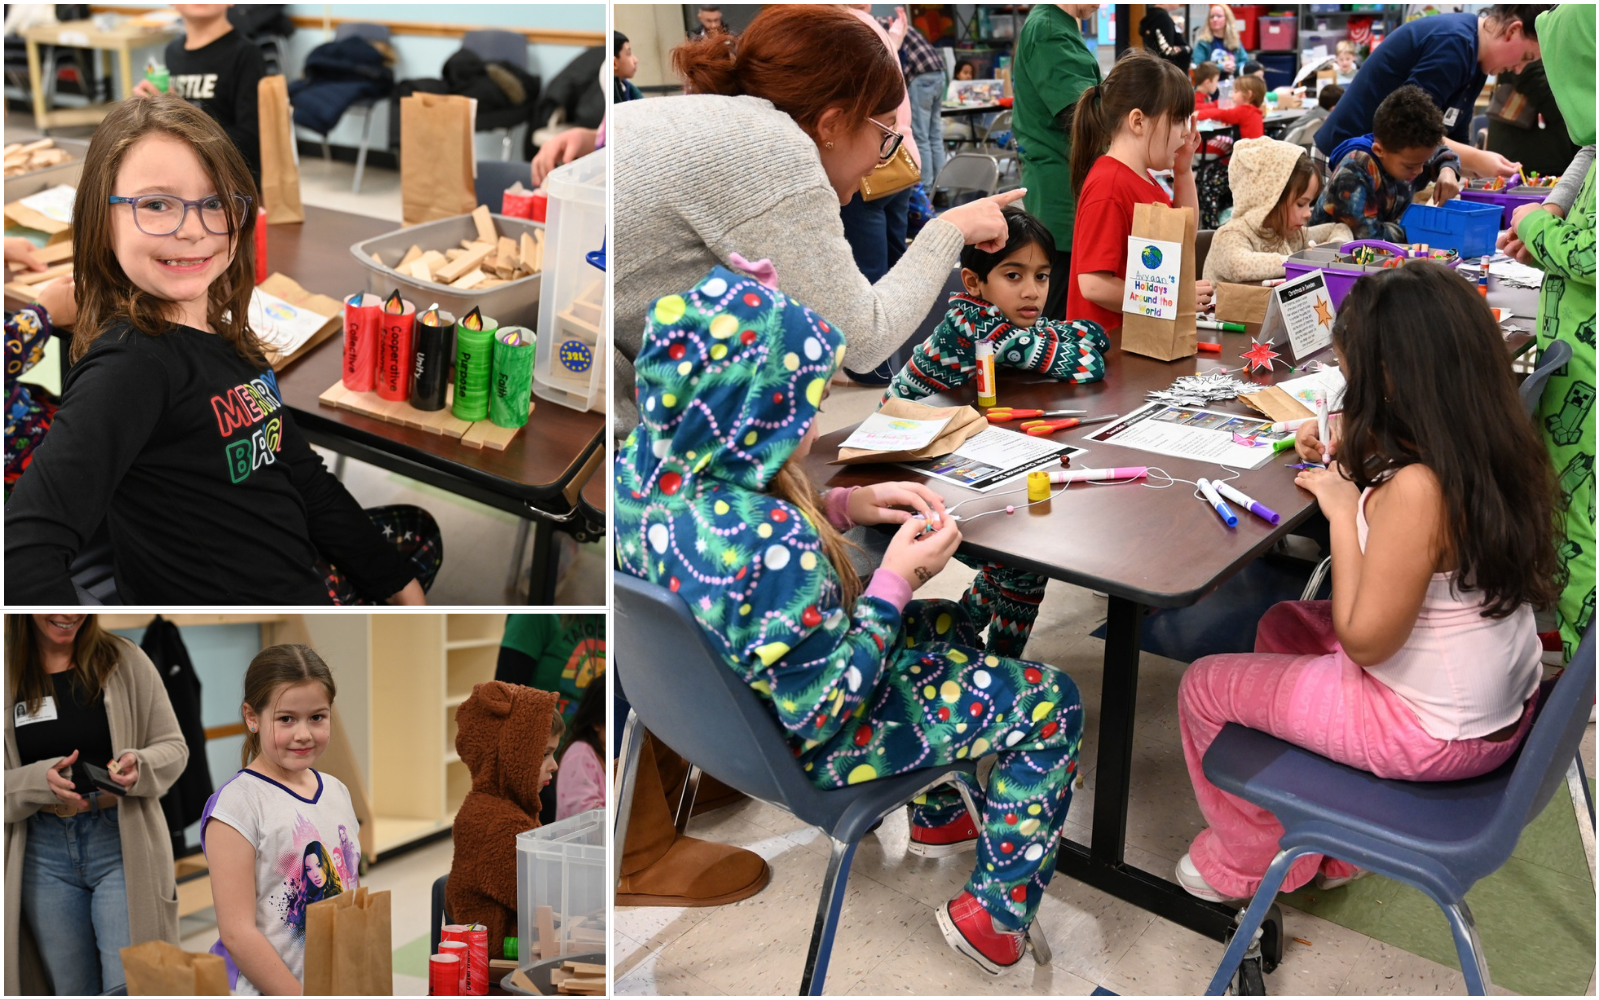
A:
(1001, 414)
(1037, 428)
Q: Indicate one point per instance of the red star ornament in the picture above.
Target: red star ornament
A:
(1259, 355)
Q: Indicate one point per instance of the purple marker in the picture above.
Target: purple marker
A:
(1260, 510)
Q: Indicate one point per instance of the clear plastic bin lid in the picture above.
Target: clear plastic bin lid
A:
(586, 828)
(583, 180)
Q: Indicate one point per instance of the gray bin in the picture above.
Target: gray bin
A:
(515, 303)
(20, 186)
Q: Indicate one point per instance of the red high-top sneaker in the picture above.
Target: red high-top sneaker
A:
(969, 929)
(960, 834)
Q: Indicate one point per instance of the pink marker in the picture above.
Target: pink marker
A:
(1290, 425)
(1097, 475)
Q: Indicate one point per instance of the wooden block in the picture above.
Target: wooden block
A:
(506, 250)
(583, 986)
(453, 253)
(595, 292)
(488, 434)
(579, 326)
(37, 144)
(435, 261)
(586, 311)
(471, 279)
(40, 277)
(461, 265)
(410, 256)
(545, 920)
(476, 244)
(376, 259)
(419, 270)
(485, 224)
(584, 968)
(504, 269)
(333, 394)
(491, 282)
(520, 980)
(528, 252)
(11, 147)
(467, 244)
(538, 247)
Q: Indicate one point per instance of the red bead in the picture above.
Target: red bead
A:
(1019, 893)
(944, 713)
(975, 709)
(670, 483)
(1049, 729)
(1011, 818)
(825, 326)
(863, 736)
(752, 299)
(811, 617)
(1032, 675)
(1006, 847)
(675, 352)
(740, 575)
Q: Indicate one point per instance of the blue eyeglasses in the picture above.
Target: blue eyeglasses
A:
(164, 214)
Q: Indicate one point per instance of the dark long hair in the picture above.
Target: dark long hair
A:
(331, 886)
(1429, 383)
(95, 653)
(587, 720)
(1140, 82)
(803, 58)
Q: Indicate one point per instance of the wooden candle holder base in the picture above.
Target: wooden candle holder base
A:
(473, 434)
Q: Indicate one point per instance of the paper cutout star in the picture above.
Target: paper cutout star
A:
(1324, 312)
(1260, 355)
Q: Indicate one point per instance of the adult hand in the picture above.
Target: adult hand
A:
(884, 503)
(1336, 495)
(144, 88)
(127, 772)
(21, 251)
(411, 594)
(981, 222)
(563, 149)
(1203, 293)
(1446, 187)
(898, 26)
(918, 558)
(59, 299)
(1485, 163)
(61, 782)
(1308, 443)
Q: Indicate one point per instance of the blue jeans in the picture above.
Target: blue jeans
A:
(876, 231)
(927, 125)
(75, 899)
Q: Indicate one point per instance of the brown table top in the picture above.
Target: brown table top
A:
(1160, 547)
(537, 464)
(596, 491)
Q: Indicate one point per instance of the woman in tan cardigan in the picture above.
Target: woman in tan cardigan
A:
(68, 901)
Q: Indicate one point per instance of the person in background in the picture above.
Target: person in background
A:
(624, 64)
(1206, 77)
(711, 23)
(563, 653)
(1254, 69)
(1528, 126)
(218, 70)
(1162, 37)
(1274, 186)
(581, 781)
(1304, 129)
(1376, 175)
(1344, 62)
(1218, 42)
(925, 87)
(965, 70)
(1249, 94)
(1054, 66)
(1449, 56)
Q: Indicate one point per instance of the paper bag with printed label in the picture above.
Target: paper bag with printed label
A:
(964, 423)
(162, 969)
(1163, 339)
(348, 951)
(280, 174)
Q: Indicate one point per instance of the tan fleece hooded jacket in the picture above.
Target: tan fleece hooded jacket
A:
(1244, 250)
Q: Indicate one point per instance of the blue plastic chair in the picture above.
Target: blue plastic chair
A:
(683, 692)
(1441, 837)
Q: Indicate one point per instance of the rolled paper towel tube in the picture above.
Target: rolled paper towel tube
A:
(474, 363)
(1097, 475)
(1223, 510)
(1260, 510)
(984, 376)
(461, 950)
(444, 975)
(1038, 486)
(398, 321)
(362, 323)
(432, 352)
(512, 387)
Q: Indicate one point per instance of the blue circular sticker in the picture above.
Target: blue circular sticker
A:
(576, 355)
(1151, 257)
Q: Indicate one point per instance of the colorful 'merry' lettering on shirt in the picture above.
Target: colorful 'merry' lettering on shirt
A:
(241, 409)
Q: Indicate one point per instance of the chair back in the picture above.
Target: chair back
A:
(371, 32)
(438, 912)
(493, 45)
(1555, 356)
(1202, 249)
(999, 127)
(693, 701)
(970, 172)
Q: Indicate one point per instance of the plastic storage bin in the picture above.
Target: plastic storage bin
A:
(1340, 275)
(22, 185)
(574, 321)
(1509, 199)
(563, 866)
(1277, 34)
(1463, 226)
(515, 303)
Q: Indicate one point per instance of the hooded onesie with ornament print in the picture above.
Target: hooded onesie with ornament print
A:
(730, 377)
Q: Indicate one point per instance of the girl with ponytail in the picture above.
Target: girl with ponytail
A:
(268, 863)
(1135, 122)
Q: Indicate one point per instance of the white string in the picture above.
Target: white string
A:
(1144, 481)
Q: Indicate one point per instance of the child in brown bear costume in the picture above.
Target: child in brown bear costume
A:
(506, 735)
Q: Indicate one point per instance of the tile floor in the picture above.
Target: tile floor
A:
(889, 941)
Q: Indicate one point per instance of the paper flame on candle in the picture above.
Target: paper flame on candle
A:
(393, 304)
(473, 320)
(430, 316)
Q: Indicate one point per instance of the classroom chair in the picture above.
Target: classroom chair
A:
(494, 45)
(684, 693)
(1440, 837)
(372, 33)
(438, 913)
(968, 177)
(1001, 143)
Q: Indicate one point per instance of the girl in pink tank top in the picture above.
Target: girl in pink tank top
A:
(1440, 503)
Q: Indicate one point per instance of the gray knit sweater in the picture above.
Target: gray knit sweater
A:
(699, 177)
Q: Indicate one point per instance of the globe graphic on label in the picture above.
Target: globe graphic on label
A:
(576, 356)
(1150, 257)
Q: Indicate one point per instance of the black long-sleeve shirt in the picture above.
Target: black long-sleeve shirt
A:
(221, 79)
(211, 494)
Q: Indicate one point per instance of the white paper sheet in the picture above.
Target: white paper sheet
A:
(992, 458)
(53, 203)
(281, 325)
(1203, 435)
(881, 432)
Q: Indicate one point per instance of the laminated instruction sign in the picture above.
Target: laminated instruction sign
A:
(1151, 286)
(1303, 310)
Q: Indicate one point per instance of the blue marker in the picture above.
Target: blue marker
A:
(1223, 510)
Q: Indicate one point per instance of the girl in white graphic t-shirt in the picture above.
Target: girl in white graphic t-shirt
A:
(276, 833)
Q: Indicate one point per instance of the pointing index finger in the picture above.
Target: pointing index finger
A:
(1005, 198)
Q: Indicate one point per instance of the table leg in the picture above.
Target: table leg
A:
(36, 83)
(546, 561)
(125, 70)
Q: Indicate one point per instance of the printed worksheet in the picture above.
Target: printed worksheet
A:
(1232, 439)
(993, 457)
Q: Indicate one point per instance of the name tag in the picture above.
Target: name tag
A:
(1450, 117)
(46, 713)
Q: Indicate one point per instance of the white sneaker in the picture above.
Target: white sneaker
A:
(1322, 881)
(1195, 884)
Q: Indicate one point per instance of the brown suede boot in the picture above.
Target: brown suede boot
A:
(711, 794)
(661, 868)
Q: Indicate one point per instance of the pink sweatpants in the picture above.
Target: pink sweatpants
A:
(1301, 687)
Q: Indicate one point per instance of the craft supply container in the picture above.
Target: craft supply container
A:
(539, 972)
(515, 303)
(574, 322)
(20, 186)
(1509, 199)
(563, 866)
(1467, 228)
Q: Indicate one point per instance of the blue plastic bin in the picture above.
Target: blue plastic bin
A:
(1467, 228)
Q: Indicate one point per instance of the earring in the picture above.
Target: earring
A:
(827, 145)
(252, 729)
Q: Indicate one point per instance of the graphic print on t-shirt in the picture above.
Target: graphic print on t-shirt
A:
(241, 409)
(195, 86)
(312, 872)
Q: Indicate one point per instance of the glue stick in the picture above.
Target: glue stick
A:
(985, 374)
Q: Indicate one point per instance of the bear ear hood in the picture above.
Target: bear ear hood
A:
(501, 734)
(1257, 175)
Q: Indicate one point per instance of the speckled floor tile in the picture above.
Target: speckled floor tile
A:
(661, 974)
(1385, 970)
(926, 966)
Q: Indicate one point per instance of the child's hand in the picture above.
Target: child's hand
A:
(1203, 293)
(127, 772)
(1183, 161)
(21, 251)
(1446, 187)
(59, 299)
(1308, 443)
(61, 782)
(883, 503)
(1335, 494)
(919, 559)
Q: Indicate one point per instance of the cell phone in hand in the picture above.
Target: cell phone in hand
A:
(87, 777)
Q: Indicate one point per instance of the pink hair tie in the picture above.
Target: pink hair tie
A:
(761, 270)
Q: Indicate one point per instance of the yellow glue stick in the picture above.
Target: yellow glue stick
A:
(985, 374)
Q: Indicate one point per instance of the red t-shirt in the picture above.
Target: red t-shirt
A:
(1100, 232)
(1250, 119)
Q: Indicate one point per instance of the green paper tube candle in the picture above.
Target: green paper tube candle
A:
(512, 385)
(474, 358)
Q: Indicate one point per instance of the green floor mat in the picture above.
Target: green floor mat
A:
(1535, 916)
(411, 959)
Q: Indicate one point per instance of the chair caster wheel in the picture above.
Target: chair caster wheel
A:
(1248, 982)
(1272, 939)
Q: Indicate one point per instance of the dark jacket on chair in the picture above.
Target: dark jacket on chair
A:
(337, 75)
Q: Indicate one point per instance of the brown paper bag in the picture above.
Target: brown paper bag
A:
(280, 175)
(162, 969)
(965, 422)
(1165, 339)
(1242, 303)
(348, 949)
(1277, 404)
(436, 157)
(289, 290)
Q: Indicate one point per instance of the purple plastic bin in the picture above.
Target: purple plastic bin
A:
(1509, 199)
(1340, 277)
